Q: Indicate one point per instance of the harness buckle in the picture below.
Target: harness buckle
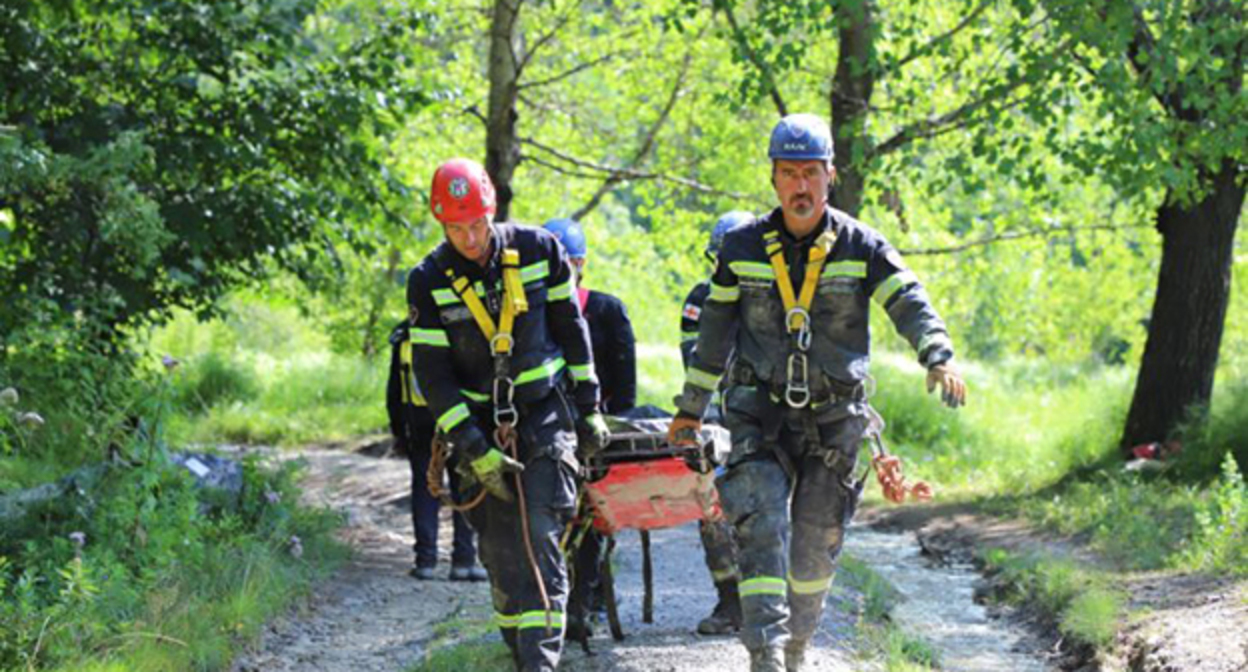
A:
(506, 339)
(797, 320)
(504, 408)
(797, 387)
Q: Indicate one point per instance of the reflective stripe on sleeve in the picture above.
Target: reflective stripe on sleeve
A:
(724, 294)
(534, 272)
(560, 292)
(703, 379)
(450, 419)
(434, 337)
(891, 285)
(752, 269)
(845, 269)
(445, 297)
(582, 372)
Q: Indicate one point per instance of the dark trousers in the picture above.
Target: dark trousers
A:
(789, 493)
(533, 633)
(425, 508)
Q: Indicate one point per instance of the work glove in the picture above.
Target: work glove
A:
(952, 388)
(490, 470)
(592, 434)
(684, 430)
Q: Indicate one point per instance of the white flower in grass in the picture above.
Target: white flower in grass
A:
(31, 419)
(296, 546)
(9, 397)
(79, 538)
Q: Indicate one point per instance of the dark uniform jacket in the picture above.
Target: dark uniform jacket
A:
(744, 310)
(454, 363)
(405, 404)
(615, 351)
(690, 318)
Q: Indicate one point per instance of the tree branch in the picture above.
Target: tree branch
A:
(572, 71)
(1015, 235)
(626, 174)
(547, 37)
(646, 145)
(956, 118)
(943, 37)
(744, 44)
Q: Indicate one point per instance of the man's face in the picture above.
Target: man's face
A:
(471, 239)
(802, 186)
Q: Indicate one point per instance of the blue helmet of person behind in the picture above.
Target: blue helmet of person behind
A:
(571, 235)
(726, 221)
(801, 137)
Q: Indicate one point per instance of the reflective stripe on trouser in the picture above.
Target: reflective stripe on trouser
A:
(758, 498)
(550, 494)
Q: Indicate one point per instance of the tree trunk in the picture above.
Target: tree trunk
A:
(502, 148)
(1189, 312)
(851, 98)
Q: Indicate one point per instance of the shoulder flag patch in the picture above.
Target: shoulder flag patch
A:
(692, 312)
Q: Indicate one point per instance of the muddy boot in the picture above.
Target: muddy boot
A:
(725, 619)
(769, 659)
(794, 655)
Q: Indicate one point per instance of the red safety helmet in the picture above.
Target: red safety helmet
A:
(461, 192)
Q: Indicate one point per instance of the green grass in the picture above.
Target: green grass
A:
(1082, 602)
(880, 640)
(464, 645)
(266, 376)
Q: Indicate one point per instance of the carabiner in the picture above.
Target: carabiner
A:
(797, 387)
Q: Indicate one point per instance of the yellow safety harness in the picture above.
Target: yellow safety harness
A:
(499, 336)
(797, 308)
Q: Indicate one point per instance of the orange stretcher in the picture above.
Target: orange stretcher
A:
(640, 481)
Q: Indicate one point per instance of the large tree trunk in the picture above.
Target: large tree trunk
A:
(502, 149)
(1189, 311)
(851, 99)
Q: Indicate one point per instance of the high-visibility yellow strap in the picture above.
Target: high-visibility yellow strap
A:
(851, 268)
(581, 372)
(814, 267)
(819, 252)
(811, 587)
(775, 252)
(476, 396)
(515, 301)
(752, 269)
(763, 585)
(464, 289)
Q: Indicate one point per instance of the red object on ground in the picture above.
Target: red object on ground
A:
(652, 494)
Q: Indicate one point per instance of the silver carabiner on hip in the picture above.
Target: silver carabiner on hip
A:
(797, 385)
(504, 406)
(801, 333)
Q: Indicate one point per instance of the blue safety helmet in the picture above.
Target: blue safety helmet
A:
(727, 221)
(571, 235)
(801, 137)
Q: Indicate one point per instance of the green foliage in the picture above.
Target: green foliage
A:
(147, 569)
(1082, 603)
(158, 152)
(1210, 433)
(882, 640)
(264, 374)
(1220, 541)
(211, 379)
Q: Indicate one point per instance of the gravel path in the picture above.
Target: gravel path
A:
(372, 617)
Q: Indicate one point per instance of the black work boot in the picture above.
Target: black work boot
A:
(725, 619)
